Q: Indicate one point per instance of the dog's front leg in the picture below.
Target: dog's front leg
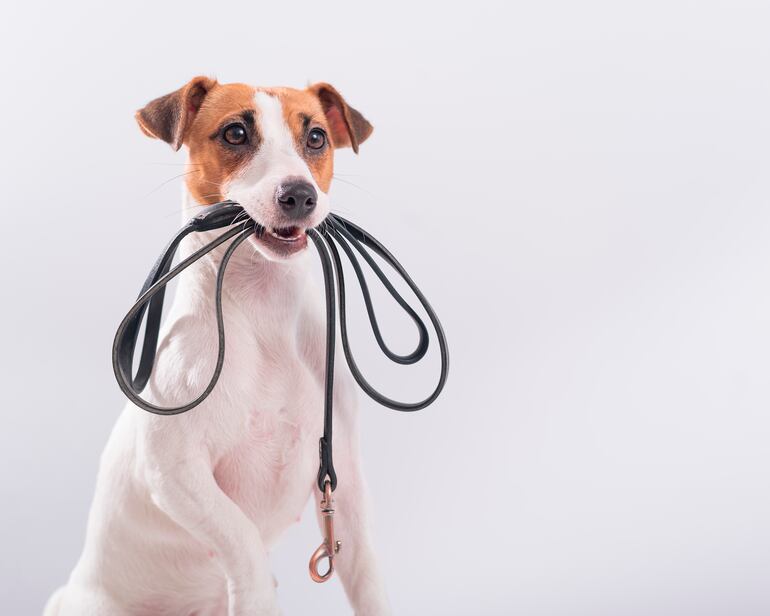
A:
(356, 563)
(188, 493)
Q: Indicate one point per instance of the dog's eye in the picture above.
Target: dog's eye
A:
(316, 139)
(235, 134)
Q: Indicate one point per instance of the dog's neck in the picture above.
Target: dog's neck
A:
(253, 282)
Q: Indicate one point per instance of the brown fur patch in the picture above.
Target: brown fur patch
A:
(211, 165)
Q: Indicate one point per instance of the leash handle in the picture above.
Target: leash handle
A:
(151, 299)
(348, 234)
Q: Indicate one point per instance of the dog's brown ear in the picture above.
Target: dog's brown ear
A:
(170, 117)
(348, 126)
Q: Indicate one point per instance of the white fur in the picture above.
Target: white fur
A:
(187, 507)
(277, 159)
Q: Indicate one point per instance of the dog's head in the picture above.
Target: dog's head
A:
(269, 149)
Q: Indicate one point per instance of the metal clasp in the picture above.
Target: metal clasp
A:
(329, 548)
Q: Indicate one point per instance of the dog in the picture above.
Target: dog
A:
(187, 507)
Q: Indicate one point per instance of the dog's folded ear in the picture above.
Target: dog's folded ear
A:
(349, 128)
(169, 117)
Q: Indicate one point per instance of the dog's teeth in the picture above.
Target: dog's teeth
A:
(290, 238)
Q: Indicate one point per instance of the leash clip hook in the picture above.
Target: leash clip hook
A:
(330, 547)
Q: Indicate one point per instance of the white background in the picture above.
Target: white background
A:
(582, 191)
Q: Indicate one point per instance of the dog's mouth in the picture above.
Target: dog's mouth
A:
(287, 234)
(284, 241)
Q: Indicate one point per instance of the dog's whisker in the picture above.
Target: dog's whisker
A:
(354, 185)
(215, 195)
(176, 177)
(217, 184)
(188, 164)
(341, 210)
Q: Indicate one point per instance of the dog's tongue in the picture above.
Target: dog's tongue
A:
(287, 232)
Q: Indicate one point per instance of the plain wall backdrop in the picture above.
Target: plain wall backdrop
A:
(582, 191)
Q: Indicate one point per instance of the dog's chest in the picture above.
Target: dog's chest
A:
(270, 469)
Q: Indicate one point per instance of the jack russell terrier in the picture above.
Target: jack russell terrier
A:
(187, 507)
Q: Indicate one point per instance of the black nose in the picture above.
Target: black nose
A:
(296, 198)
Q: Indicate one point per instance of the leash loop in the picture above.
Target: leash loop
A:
(151, 298)
(346, 234)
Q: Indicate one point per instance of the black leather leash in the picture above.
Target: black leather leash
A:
(335, 231)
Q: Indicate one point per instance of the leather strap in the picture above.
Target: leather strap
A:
(336, 231)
